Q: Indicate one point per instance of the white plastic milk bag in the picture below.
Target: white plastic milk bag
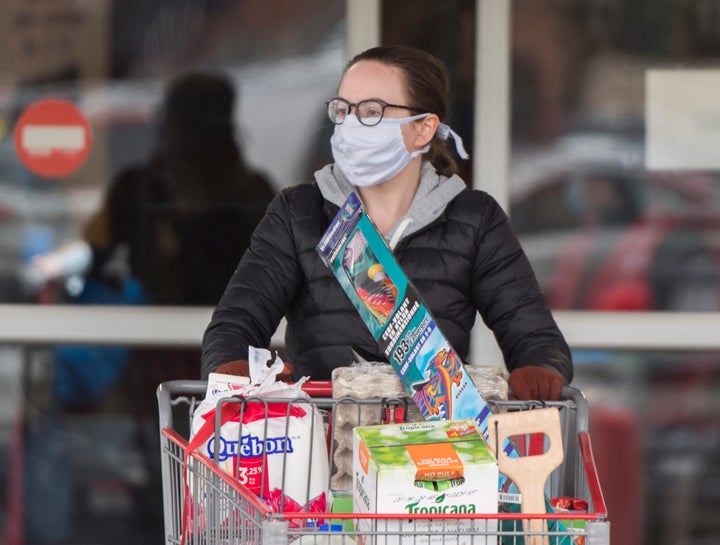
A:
(273, 441)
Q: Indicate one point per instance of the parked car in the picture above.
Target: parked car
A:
(605, 234)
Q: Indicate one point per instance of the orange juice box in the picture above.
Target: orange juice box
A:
(434, 467)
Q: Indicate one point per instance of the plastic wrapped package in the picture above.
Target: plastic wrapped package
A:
(490, 380)
(368, 380)
(361, 381)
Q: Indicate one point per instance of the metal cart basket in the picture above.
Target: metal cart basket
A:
(205, 505)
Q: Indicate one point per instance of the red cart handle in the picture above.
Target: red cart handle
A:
(318, 388)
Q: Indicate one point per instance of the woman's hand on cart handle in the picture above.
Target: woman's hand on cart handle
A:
(533, 382)
(242, 368)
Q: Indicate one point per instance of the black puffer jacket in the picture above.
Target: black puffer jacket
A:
(466, 260)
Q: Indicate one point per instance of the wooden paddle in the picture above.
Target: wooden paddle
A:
(529, 473)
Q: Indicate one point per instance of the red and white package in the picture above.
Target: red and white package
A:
(276, 449)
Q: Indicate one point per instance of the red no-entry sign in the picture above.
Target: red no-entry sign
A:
(52, 138)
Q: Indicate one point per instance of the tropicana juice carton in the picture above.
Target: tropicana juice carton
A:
(426, 467)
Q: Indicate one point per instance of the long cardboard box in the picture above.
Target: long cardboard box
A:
(399, 320)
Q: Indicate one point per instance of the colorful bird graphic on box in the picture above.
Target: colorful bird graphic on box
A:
(372, 284)
(434, 396)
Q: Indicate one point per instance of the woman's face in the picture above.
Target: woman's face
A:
(372, 79)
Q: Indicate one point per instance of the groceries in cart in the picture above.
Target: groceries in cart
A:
(439, 467)
(211, 507)
(372, 380)
(415, 484)
(260, 441)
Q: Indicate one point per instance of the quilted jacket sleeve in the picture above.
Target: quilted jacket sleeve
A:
(258, 294)
(507, 295)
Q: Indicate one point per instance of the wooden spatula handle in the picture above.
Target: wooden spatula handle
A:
(529, 473)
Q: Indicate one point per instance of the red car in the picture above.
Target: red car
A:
(603, 234)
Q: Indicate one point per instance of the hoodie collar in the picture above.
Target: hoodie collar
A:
(433, 195)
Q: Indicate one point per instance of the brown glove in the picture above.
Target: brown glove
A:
(242, 368)
(534, 382)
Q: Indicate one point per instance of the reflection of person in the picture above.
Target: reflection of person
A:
(455, 244)
(169, 231)
(185, 214)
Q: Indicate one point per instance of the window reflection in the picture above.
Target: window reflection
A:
(280, 74)
(178, 222)
(654, 426)
(166, 200)
(605, 233)
(602, 231)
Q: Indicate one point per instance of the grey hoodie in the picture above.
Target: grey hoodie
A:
(433, 195)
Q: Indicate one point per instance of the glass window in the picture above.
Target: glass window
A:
(655, 435)
(452, 39)
(606, 223)
(187, 118)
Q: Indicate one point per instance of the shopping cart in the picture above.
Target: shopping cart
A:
(205, 505)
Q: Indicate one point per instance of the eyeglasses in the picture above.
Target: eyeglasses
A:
(369, 112)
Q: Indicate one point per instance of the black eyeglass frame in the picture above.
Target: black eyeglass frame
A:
(354, 106)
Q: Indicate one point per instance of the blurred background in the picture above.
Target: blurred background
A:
(594, 123)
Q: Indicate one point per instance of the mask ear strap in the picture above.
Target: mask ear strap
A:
(444, 132)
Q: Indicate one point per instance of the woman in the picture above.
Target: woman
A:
(455, 244)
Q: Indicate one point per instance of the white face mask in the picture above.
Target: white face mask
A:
(369, 156)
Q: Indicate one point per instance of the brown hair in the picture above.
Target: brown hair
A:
(427, 88)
